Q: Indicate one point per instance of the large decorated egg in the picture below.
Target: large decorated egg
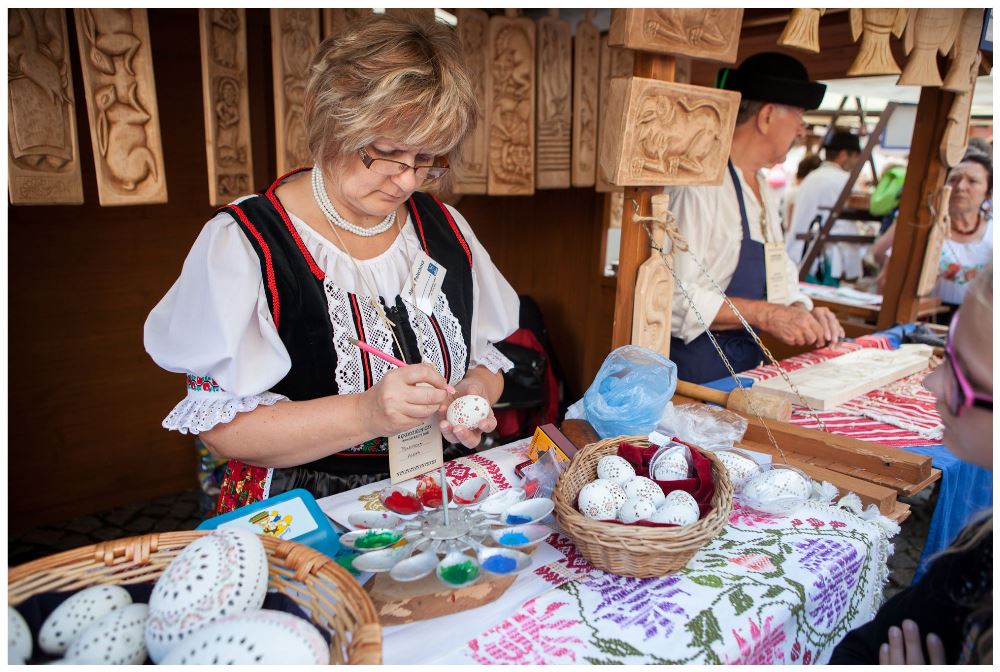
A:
(468, 411)
(738, 466)
(675, 514)
(636, 509)
(681, 498)
(776, 490)
(116, 639)
(669, 466)
(77, 613)
(643, 488)
(18, 637)
(615, 469)
(220, 574)
(597, 501)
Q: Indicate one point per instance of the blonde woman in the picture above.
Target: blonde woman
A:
(278, 282)
(950, 610)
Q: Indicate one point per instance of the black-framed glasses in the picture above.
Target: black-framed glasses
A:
(961, 395)
(393, 168)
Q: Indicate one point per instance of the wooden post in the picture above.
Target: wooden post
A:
(924, 175)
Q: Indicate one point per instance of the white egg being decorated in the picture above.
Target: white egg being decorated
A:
(18, 636)
(597, 501)
(468, 411)
(675, 514)
(644, 488)
(670, 466)
(116, 639)
(776, 490)
(615, 469)
(77, 613)
(636, 509)
(739, 467)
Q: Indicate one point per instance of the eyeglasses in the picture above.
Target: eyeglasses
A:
(961, 395)
(391, 168)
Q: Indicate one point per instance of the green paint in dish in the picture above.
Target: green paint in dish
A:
(374, 539)
(459, 573)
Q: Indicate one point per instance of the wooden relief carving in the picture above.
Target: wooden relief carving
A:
(512, 114)
(227, 107)
(43, 153)
(470, 167)
(121, 105)
(964, 51)
(955, 139)
(294, 39)
(874, 26)
(665, 133)
(615, 62)
(928, 32)
(654, 290)
(555, 85)
(422, 13)
(940, 229)
(335, 20)
(586, 77)
(706, 34)
(802, 30)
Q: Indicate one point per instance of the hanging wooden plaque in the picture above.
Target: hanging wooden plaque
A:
(654, 290)
(555, 85)
(586, 77)
(964, 51)
(665, 133)
(955, 139)
(874, 26)
(470, 165)
(940, 228)
(43, 153)
(802, 30)
(512, 109)
(335, 20)
(121, 105)
(615, 62)
(294, 39)
(227, 107)
(928, 32)
(705, 34)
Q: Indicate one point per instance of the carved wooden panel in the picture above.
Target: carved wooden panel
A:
(335, 20)
(706, 34)
(955, 138)
(654, 290)
(512, 113)
(586, 78)
(928, 32)
(470, 168)
(940, 228)
(665, 133)
(874, 26)
(615, 62)
(227, 106)
(294, 39)
(555, 103)
(121, 105)
(43, 153)
(802, 30)
(964, 51)
(405, 12)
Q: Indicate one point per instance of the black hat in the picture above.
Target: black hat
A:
(771, 77)
(837, 140)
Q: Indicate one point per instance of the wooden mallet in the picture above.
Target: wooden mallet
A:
(769, 406)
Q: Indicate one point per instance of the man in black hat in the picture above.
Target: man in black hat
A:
(817, 195)
(734, 230)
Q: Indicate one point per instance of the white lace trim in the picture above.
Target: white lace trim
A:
(430, 346)
(453, 337)
(350, 372)
(492, 359)
(200, 414)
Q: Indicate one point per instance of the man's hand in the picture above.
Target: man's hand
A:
(903, 647)
(792, 325)
(832, 331)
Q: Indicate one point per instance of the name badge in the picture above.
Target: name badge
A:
(415, 451)
(776, 272)
(424, 283)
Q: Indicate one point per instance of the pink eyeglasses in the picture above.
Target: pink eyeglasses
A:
(961, 395)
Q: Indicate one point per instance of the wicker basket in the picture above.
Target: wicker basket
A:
(634, 550)
(322, 588)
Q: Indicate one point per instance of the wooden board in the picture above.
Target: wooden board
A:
(935, 240)
(227, 105)
(665, 133)
(336, 19)
(294, 39)
(956, 132)
(43, 152)
(928, 32)
(830, 383)
(615, 62)
(705, 34)
(555, 104)
(802, 30)
(471, 165)
(964, 52)
(586, 77)
(398, 603)
(121, 105)
(654, 289)
(512, 107)
(874, 26)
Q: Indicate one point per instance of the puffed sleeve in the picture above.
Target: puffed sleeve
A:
(214, 326)
(496, 305)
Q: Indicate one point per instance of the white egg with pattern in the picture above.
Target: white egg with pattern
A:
(615, 469)
(19, 640)
(674, 514)
(77, 613)
(636, 509)
(468, 411)
(597, 501)
(118, 638)
(669, 466)
(739, 467)
(644, 488)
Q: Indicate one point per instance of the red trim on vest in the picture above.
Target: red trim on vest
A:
(313, 267)
(445, 355)
(360, 327)
(420, 225)
(454, 227)
(272, 284)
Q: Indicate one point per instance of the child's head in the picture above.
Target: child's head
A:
(967, 373)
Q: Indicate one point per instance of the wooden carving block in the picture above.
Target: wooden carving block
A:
(121, 105)
(470, 167)
(705, 34)
(586, 76)
(415, 13)
(227, 106)
(935, 240)
(956, 133)
(397, 603)
(928, 32)
(294, 39)
(654, 289)
(802, 30)
(512, 108)
(335, 20)
(43, 153)
(615, 62)
(555, 111)
(964, 51)
(874, 26)
(664, 133)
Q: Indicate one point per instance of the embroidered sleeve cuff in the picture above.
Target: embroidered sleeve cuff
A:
(492, 359)
(198, 413)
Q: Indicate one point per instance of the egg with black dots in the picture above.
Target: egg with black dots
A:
(115, 639)
(19, 642)
(77, 613)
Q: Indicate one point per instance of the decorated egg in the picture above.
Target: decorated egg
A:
(619, 493)
(220, 574)
(636, 509)
(615, 469)
(115, 639)
(776, 490)
(597, 501)
(644, 488)
(669, 466)
(675, 514)
(74, 615)
(258, 637)
(739, 467)
(18, 637)
(468, 411)
(680, 498)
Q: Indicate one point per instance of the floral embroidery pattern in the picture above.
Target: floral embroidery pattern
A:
(527, 638)
(646, 603)
(835, 566)
(762, 646)
(202, 384)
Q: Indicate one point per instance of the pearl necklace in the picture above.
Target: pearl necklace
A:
(334, 217)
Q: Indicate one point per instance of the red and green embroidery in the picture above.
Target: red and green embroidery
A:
(376, 446)
(202, 384)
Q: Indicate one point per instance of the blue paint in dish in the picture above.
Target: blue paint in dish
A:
(513, 519)
(500, 564)
(513, 539)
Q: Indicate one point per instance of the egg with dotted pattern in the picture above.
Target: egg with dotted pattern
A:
(675, 514)
(619, 494)
(597, 501)
(643, 488)
(669, 466)
(636, 509)
(740, 468)
(615, 469)
(258, 637)
(220, 574)
(115, 639)
(776, 490)
(77, 613)
(468, 411)
(19, 641)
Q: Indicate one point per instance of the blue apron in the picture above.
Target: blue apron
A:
(698, 361)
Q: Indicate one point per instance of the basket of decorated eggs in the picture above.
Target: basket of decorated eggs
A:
(223, 597)
(637, 509)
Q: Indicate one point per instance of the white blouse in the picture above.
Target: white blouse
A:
(215, 325)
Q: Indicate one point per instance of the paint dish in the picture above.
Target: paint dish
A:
(415, 567)
(521, 536)
(471, 491)
(500, 501)
(458, 570)
(382, 560)
(529, 511)
(366, 520)
(400, 500)
(429, 491)
(503, 561)
(370, 540)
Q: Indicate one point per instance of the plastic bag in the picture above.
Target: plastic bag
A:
(629, 392)
(704, 425)
(545, 472)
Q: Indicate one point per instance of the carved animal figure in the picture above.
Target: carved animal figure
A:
(110, 34)
(121, 137)
(928, 32)
(802, 30)
(691, 26)
(874, 26)
(675, 137)
(964, 52)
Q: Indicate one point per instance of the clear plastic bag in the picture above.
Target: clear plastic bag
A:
(709, 427)
(672, 462)
(776, 488)
(629, 392)
(545, 472)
